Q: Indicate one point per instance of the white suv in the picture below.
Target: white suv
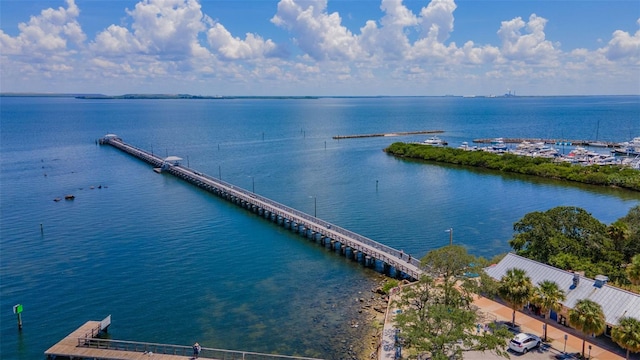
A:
(524, 342)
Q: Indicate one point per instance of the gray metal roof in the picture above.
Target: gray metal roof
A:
(615, 302)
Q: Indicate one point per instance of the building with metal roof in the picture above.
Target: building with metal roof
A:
(615, 302)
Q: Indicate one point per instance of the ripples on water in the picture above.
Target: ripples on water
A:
(174, 264)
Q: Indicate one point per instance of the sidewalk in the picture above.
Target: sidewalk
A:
(601, 348)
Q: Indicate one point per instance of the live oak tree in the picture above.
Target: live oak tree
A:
(449, 263)
(570, 238)
(632, 232)
(565, 229)
(438, 317)
(588, 317)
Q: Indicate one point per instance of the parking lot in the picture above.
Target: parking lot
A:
(543, 351)
(560, 338)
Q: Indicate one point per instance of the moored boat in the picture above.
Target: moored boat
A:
(629, 148)
(434, 141)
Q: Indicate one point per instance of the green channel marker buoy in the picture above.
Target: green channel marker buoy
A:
(17, 309)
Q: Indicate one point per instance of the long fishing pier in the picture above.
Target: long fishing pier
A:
(353, 246)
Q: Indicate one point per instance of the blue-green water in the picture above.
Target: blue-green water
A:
(174, 264)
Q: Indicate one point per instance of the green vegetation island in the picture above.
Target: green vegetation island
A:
(603, 175)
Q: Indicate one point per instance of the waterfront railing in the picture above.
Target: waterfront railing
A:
(180, 350)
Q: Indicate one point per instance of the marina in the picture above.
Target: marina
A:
(629, 152)
(551, 141)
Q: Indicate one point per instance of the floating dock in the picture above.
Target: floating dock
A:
(338, 137)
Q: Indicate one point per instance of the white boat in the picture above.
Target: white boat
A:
(434, 141)
(587, 157)
(629, 148)
(539, 149)
(598, 143)
(465, 146)
(497, 146)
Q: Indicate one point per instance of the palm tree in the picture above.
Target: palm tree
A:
(587, 316)
(627, 334)
(548, 296)
(633, 270)
(619, 233)
(515, 288)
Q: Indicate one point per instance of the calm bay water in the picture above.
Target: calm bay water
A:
(173, 264)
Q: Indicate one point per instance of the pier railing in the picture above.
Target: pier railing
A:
(180, 350)
(311, 219)
(403, 262)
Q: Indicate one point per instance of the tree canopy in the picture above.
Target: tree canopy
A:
(438, 318)
(570, 238)
(633, 270)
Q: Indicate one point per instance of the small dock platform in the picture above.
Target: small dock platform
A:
(84, 344)
(78, 345)
(405, 133)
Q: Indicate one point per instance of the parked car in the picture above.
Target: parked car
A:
(524, 342)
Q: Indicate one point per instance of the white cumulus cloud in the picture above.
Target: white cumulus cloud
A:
(531, 47)
(436, 19)
(623, 45)
(230, 47)
(318, 33)
(168, 28)
(46, 34)
(175, 42)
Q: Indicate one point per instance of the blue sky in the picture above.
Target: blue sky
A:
(321, 47)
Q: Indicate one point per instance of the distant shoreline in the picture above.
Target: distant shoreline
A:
(275, 97)
(149, 96)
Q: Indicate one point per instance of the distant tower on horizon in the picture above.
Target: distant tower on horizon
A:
(509, 93)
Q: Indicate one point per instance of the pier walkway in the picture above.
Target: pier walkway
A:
(352, 245)
(85, 344)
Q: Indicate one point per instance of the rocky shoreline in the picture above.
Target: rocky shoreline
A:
(369, 322)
